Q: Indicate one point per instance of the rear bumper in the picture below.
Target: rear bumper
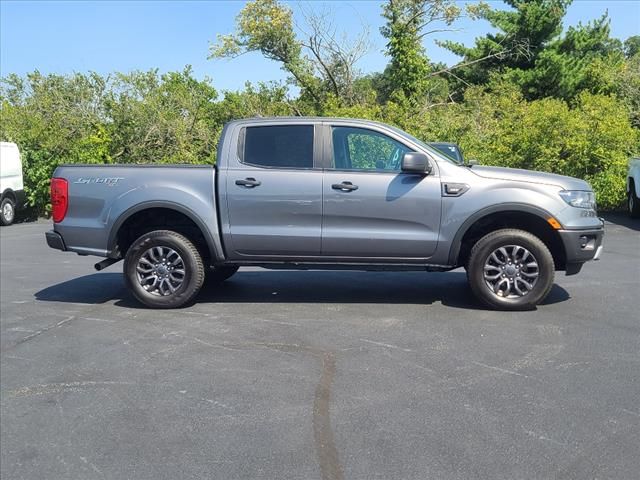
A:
(54, 240)
(580, 246)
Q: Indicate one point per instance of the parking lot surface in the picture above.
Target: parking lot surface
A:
(316, 375)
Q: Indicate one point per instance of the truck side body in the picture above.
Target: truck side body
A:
(324, 213)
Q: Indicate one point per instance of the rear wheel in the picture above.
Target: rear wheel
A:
(510, 270)
(633, 203)
(7, 211)
(163, 269)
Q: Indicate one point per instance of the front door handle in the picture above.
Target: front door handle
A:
(344, 186)
(249, 182)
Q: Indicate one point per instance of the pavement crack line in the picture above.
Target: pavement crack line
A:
(326, 451)
(330, 468)
(42, 330)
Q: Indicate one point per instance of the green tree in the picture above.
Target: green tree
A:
(162, 118)
(54, 119)
(322, 64)
(585, 58)
(632, 46)
(523, 32)
(407, 24)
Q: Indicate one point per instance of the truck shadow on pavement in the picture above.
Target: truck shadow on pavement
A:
(622, 220)
(265, 286)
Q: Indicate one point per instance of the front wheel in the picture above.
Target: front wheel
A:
(163, 269)
(510, 270)
(633, 203)
(7, 211)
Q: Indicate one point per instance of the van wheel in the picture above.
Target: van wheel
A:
(220, 274)
(633, 203)
(510, 270)
(163, 269)
(7, 211)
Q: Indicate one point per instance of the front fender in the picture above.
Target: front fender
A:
(456, 242)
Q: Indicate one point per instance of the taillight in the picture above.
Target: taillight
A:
(59, 198)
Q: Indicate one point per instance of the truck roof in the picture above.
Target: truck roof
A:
(294, 119)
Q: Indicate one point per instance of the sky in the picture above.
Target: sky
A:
(106, 36)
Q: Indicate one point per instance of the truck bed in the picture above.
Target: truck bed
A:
(102, 197)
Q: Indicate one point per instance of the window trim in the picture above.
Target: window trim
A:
(316, 146)
(329, 163)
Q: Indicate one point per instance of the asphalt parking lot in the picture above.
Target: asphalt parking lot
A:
(316, 375)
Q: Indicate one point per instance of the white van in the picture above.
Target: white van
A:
(11, 186)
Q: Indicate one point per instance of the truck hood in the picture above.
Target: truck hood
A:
(519, 175)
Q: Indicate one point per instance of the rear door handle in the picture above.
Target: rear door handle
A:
(344, 186)
(249, 182)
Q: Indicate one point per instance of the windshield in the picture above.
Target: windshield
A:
(450, 150)
(425, 145)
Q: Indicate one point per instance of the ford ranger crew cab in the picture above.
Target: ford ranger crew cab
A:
(326, 193)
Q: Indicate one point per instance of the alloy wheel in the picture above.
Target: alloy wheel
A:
(511, 271)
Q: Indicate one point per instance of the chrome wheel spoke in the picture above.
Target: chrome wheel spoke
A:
(497, 287)
(511, 271)
(161, 271)
(495, 258)
(145, 261)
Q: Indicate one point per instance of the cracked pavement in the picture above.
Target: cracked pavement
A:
(316, 375)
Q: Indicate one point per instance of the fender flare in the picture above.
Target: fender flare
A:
(456, 243)
(111, 244)
(8, 192)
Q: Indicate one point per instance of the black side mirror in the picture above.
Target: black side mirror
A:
(416, 162)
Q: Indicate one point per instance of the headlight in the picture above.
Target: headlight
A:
(579, 198)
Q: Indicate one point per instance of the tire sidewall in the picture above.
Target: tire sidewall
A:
(7, 221)
(531, 243)
(633, 204)
(191, 283)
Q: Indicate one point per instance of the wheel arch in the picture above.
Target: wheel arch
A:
(526, 217)
(171, 208)
(8, 193)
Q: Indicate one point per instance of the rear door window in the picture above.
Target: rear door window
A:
(279, 146)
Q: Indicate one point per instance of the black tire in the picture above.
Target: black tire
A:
(7, 211)
(633, 203)
(191, 261)
(508, 238)
(220, 274)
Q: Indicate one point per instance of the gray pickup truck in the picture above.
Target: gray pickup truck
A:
(326, 193)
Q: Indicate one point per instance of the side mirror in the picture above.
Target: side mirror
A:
(416, 162)
(471, 163)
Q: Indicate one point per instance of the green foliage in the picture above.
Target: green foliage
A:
(409, 74)
(409, 66)
(523, 33)
(632, 46)
(134, 118)
(266, 26)
(162, 118)
(54, 120)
